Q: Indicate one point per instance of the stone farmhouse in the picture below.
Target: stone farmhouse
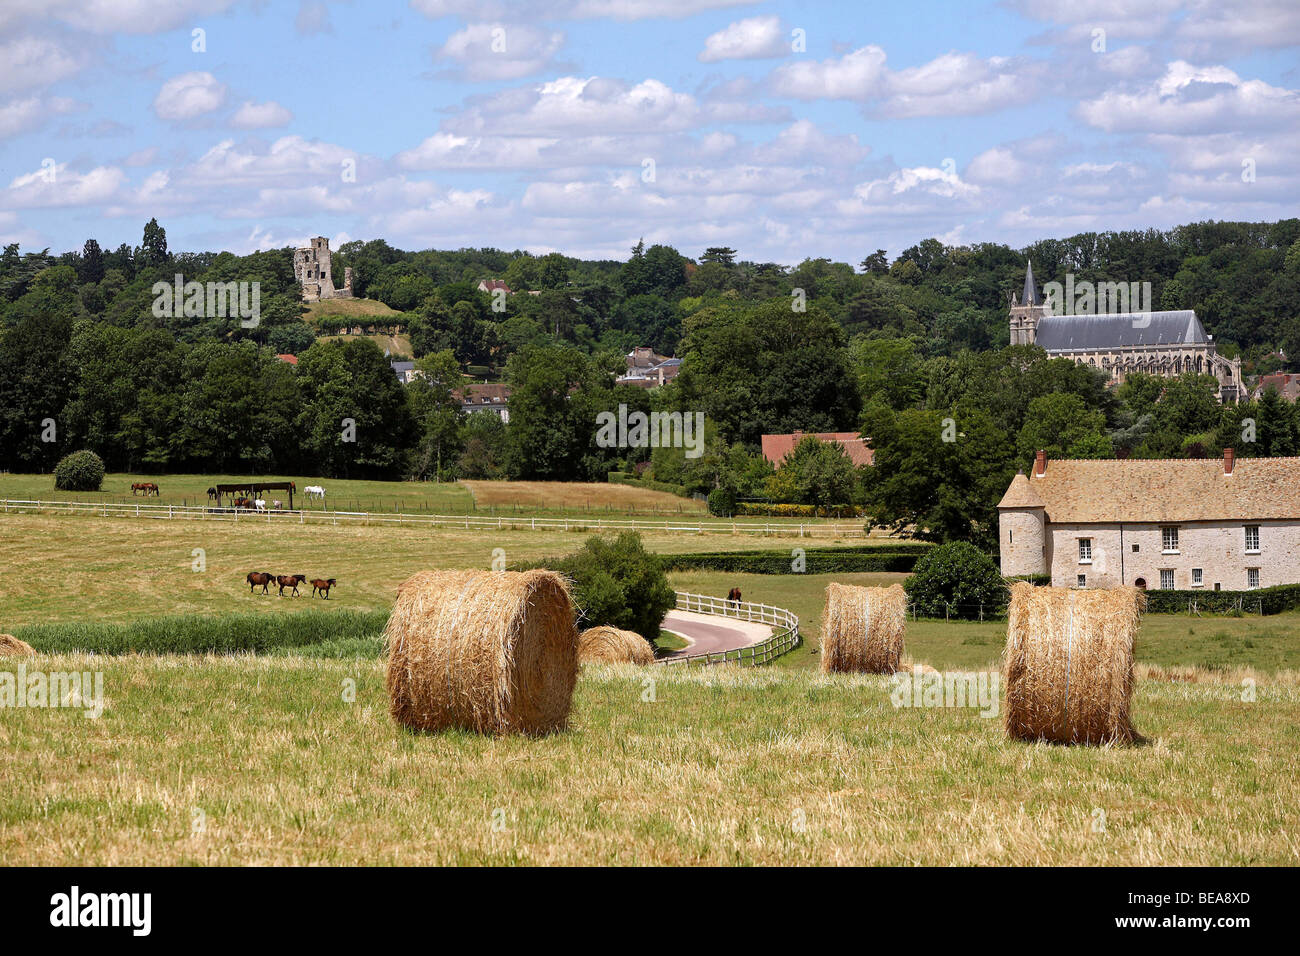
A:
(1158, 343)
(311, 267)
(1185, 524)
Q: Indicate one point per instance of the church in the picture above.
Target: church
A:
(1119, 343)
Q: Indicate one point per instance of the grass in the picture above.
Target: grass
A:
(361, 308)
(76, 568)
(249, 760)
(573, 496)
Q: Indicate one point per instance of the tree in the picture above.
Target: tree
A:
(79, 471)
(435, 406)
(153, 251)
(92, 262)
(957, 580)
(1063, 426)
(722, 255)
(619, 583)
(876, 263)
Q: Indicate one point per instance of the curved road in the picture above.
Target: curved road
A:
(710, 633)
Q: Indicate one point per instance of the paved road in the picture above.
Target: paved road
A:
(711, 634)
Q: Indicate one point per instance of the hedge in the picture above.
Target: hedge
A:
(753, 510)
(623, 478)
(1274, 600)
(816, 560)
(208, 634)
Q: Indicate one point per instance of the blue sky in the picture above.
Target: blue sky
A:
(449, 123)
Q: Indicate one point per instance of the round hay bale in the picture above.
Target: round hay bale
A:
(10, 646)
(862, 629)
(490, 651)
(1069, 663)
(609, 645)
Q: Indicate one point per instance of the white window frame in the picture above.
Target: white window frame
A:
(1255, 529)
(1172, 583)
(1198, 577)
(1166, 532)
(1252, 572)
(1085, 550)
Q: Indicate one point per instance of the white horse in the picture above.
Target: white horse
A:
(277, 504)
(314, 491)
(260, 504)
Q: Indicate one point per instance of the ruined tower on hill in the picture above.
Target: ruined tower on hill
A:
(311, 267)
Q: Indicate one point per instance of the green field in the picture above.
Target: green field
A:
(262, 760)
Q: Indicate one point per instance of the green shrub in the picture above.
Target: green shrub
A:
(79, 471)
(956, 579)
(722, 502)
(1274, 600)
(617, 582)
(623, 478)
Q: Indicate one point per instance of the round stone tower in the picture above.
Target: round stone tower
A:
(1022, 529)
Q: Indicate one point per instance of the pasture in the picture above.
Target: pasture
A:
(264, 760)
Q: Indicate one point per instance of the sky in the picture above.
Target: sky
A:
(784, 130)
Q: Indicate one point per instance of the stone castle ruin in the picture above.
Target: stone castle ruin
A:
(311, 267)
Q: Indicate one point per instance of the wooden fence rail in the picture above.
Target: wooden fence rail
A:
(784, 639)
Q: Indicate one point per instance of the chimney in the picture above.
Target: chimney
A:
(1040, 464)
(1229, 460)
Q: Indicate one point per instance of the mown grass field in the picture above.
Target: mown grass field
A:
(263, 760)
(71, 567)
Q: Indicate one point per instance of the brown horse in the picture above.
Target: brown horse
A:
(242, 503)
(256, 578)
(733, 597)
(322, 586)
(290, 581)
(145, 488)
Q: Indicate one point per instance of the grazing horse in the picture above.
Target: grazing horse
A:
(290, 581)
(212, 493)
(263, 578)
(314, 491)
(322, 586)
(138, 486)
(733, 597)
(145, 488)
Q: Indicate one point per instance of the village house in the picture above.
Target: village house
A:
(646, 369)
(1184, 524)
(486, 397)
(1287, 385)
(776, 447)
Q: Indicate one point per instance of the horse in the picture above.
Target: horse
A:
(733, 597)
(314, 491)
(290, 581)
(322, 586)
(143, 487)
(260, 504)
(151, 488)
(264, 578)
(277, 504)
(212, 493)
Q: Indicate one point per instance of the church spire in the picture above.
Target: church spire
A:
(1030, 296)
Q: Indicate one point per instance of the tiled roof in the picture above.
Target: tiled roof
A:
(776, 447)
(1021, 494)
(1173, 490)
(288, 359)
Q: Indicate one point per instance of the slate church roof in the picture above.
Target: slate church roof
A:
(1061, 333)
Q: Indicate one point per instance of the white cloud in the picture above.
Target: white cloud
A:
(59, 186)
(112, 16)
(754, 38)
(998, 166)
(313, 17)
(31, 61)
(260, 115)
(1190, 99)
(954, 84)
(592, 106)
(570, 9)
(20, 116)
(189, 95)
(487, 51)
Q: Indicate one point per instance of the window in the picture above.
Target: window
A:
(1167, 579)
(1135, 549)
(1169, 540)
(1011, 536)
(1252, 578)
(1083, 580)
(1085, 550)
(1252, 539)
(1197, 577)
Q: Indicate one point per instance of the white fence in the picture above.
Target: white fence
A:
(784, 638)
(498, 522)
